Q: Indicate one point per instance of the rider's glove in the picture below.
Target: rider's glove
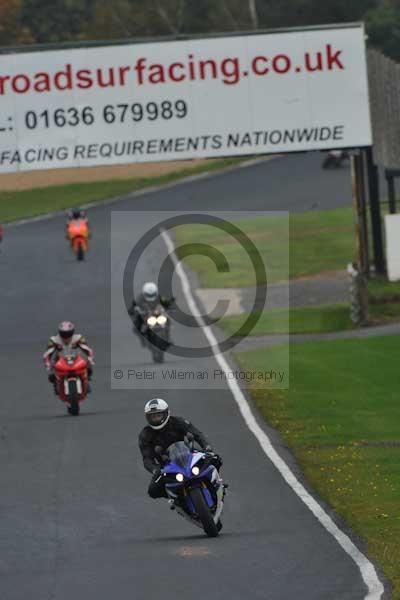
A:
(216, 459)
(156, 472)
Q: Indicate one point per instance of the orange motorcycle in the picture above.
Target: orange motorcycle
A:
(78, 235)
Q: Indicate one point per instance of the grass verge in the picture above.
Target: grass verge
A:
(313, 319)
(381, 290)
(29, 203)
(303, 244)
(341, 418)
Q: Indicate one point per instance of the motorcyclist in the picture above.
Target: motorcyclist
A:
(335, 158)
(76, 214)
(147, 302)
(163, 430)
(66, 338)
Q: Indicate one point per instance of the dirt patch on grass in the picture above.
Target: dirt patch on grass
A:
(334, 275)
(10, 182)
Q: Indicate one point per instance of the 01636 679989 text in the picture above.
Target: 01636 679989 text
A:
(110, 114)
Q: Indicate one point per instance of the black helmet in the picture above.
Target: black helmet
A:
(76, 213)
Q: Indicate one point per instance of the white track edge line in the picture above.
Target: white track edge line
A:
(367, 569)
(149, 190)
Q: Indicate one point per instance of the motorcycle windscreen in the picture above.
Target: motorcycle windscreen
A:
(180, 454)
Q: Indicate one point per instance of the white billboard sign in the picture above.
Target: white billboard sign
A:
(250, 94)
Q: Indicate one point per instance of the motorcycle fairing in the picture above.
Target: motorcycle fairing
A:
(182, 460)
(71, 367)
(78, 229)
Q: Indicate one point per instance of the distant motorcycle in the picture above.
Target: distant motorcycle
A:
(78, 235)
(72, 384)
(157, 333)
(194, 486)
(335, 159)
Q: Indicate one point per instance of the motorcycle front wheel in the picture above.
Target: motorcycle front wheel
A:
(158, 355)
(80, 254)
(73, 408)
(203, 512)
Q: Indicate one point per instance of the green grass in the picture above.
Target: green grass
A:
(321, 241)
(341, 418)
(28, 203)
(313, 319)
(296, 320)
(300, 245)
(381, 290)
(269, 235)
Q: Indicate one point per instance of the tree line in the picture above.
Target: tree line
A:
(49, 21)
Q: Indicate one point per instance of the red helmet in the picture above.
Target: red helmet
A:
(66, 330)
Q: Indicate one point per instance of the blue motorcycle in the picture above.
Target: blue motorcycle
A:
(194, 486)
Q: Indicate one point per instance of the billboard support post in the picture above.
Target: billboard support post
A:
(359, 204)
(391, 191)
(362, 261)
(375, 212)
(362, 211)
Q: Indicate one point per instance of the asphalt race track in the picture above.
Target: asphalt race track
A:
(76, 522)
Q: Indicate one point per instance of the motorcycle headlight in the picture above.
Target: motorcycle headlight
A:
(179, 477)
(152, 321)
(196, 470)
(161, 319)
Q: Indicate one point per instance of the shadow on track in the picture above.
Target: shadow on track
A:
(44, 418)
(201, 537)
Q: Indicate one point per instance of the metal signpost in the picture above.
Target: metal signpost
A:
(360, 271)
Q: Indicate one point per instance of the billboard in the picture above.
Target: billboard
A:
(246, 94)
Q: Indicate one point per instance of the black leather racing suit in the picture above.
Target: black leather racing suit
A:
(174, 431)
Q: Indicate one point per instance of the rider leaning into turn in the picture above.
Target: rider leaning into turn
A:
(163, 430)
(66, 338)
(147, 302)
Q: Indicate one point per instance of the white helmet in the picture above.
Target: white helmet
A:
(157, 413)
(150, 291)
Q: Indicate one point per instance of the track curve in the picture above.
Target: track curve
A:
(75, 518)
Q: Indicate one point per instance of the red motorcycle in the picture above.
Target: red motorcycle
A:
(72, 385)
